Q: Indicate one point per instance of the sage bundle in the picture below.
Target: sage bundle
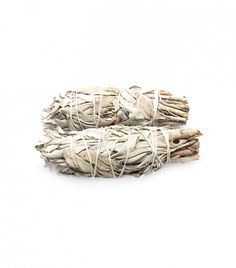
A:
(118, 150)
(100, 107)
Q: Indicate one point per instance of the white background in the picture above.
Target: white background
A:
(181, 216)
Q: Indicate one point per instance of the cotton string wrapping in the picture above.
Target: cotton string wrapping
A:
(153, 134)
(155, 105)
(77, 109)
(108, 152)
(101, 140)
(127, 155)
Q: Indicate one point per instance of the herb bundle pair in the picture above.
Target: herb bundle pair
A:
(113, 132)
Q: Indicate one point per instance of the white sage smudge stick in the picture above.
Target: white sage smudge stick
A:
(100, 107)
(118, 150)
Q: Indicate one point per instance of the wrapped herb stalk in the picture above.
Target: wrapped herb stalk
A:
(118, 150)
(100, 107)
